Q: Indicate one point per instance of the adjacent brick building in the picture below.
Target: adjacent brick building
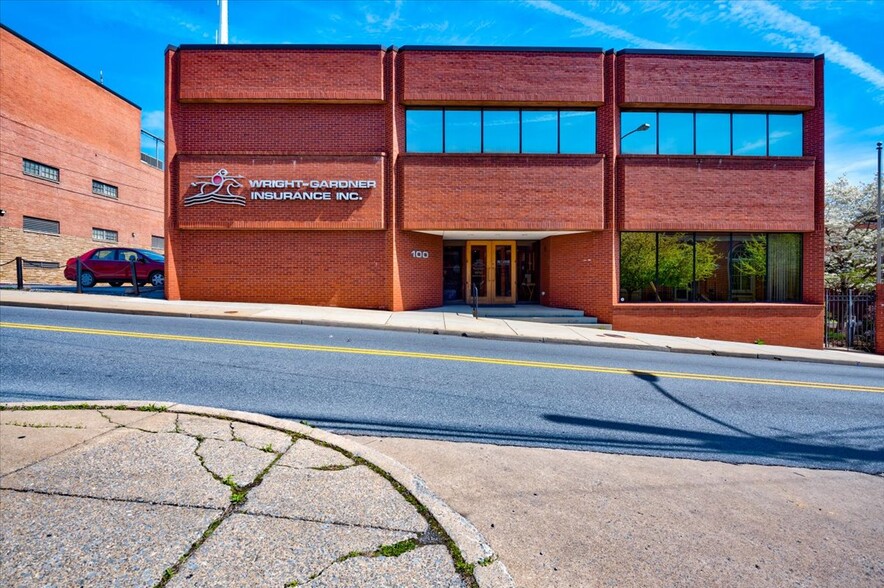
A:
(665, 192)
(72, 175)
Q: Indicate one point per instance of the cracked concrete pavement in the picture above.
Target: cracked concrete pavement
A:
(160, 495)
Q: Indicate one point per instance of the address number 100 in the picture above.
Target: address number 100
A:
(417, 254)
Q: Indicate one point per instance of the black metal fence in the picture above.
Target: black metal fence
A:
(850, 320)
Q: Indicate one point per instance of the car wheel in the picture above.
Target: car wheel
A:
(87, 279)
(115, 284)
(157, 279)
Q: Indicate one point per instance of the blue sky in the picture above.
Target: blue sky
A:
(126, 39)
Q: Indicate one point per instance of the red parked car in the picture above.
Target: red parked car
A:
(113, 265)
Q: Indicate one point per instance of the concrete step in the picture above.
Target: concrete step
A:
(555, 320)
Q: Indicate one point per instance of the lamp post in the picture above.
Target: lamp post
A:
(646, 126)
(878, 223)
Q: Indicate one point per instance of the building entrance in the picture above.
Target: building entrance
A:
(490, 266)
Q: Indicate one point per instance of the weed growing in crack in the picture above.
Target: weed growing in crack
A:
(292, 584)
(331, 468)
(152, 408)
(396, 549)
(463, 567)
(268, 448)
(487, 561)
(41, 426)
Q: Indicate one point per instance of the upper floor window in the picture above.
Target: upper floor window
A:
(464, 130)
(712, 133)
(39, 170)
(103, 189)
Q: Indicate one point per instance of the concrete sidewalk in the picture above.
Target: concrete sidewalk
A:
(137, 494)
(429, 321)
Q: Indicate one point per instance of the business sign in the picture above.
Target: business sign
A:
(223, 188)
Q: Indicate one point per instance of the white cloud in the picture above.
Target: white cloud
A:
(153, 121)
(596, 27)
(794, 33)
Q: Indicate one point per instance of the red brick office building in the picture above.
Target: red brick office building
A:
(665, 192)
(72, 175)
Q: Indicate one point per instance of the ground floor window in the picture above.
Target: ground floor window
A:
(710, 267)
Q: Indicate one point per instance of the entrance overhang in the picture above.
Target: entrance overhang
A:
(498, 235)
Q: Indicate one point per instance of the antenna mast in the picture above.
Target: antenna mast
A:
(222, 37)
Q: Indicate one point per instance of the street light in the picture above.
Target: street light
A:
(878, 210)
(645, 127)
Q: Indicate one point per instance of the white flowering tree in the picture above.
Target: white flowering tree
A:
(850, 235)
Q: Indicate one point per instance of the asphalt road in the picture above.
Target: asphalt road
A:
(361, 381)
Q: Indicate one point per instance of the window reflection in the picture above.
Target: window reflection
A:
(463, 132)
(423, 131)
(500, 131)
(501, 128)
(785, 134)
(540, 131)
(577, 131)
(634, 141)
(676, 132)
(750, 134)
(713, 133)
(710, 267)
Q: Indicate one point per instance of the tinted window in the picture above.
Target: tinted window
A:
(501, 131)
(423, 131)
(463, 131)
(676, 133)
(785, 134)
(105, 255)
(750, 134)
(539, 131)
(713, 134)
(577, 131)
(635, 141)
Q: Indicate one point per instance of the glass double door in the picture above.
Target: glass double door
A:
(490, 268)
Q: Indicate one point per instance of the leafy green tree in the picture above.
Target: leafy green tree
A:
(752, 260)
(648, 261)
(638, 260)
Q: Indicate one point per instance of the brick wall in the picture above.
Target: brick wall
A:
(710, 81)
(40, 91)
(501, 77)
(493, 192)
(795, 325)
(317, 268)
(281, 74)
(700, 193)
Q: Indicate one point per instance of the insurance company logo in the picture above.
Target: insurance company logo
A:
(216, 188)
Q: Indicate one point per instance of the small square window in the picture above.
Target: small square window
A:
(39, 170)
(157, 242)
(105, 235)
(103, 189)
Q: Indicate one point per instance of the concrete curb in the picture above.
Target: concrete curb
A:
(468, 539)
(776, 353)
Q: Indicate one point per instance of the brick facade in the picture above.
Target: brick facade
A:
(54, 115)
(386, 249)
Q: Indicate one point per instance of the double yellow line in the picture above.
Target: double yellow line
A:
(444, 357)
